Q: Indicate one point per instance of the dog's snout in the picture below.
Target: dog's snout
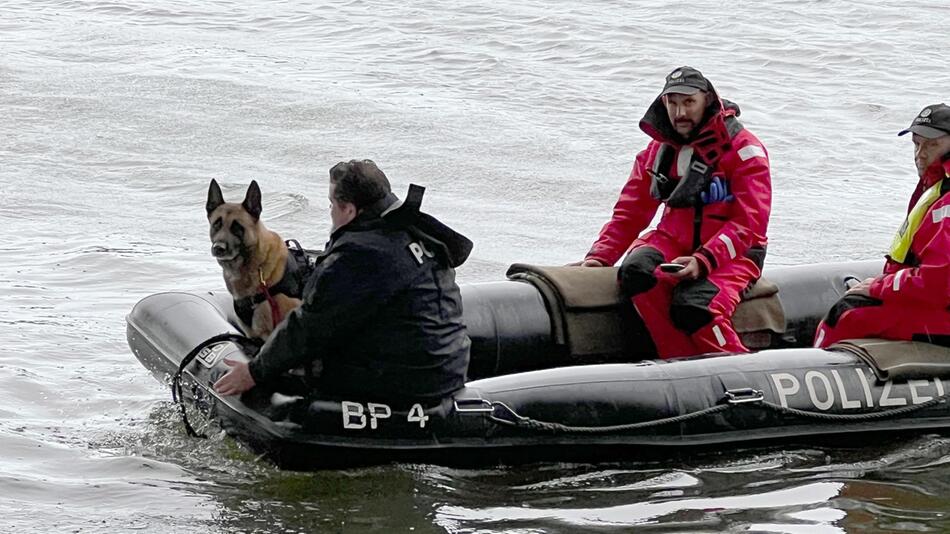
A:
(218, 249)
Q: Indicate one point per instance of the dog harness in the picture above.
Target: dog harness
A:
(291, 284)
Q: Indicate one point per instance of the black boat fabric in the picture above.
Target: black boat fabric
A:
(587, 412)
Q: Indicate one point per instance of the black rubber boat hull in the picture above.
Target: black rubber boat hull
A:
(755, 395)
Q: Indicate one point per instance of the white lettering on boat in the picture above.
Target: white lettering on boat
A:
(845, 402)
(913, 385)
(417, 415)
(209, 355)
(829, 395)
(376, 412)
(785, 392)
(356, 417)
(351, 410)
(867, 387)
(886, 399)
(817, 386)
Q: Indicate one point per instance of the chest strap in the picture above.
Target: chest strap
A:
(685, 191)
(682, 192)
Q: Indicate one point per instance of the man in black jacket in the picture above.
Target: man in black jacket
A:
(381, 317)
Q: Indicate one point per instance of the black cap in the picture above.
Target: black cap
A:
(685, 81)
(932, 122)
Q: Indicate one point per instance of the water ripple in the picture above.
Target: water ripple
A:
(521, 121)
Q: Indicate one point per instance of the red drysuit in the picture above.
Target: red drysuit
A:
(911, 299)
(727, 237)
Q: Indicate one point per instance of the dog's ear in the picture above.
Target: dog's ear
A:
(215, 198)
(252, 200)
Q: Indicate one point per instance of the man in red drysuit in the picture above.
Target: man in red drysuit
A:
(712, 176)
(911, 299)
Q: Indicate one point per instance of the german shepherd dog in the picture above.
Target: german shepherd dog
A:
(254, 260)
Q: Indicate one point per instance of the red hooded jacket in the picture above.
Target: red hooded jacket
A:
(728, 230)
(924, 277)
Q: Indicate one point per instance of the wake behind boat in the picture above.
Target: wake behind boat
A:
(561, 369)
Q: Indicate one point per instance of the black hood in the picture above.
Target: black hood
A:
(656, 121)
(453, 247)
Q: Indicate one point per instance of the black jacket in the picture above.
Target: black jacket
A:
(381, 312)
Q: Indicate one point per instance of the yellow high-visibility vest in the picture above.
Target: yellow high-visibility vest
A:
(905, 234)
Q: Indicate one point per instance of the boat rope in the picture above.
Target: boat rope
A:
(533, 424)
(178, 394)
(504, 415)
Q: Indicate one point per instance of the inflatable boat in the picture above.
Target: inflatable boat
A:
(562, 369)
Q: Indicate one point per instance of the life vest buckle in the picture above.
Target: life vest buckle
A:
(699, 167)
(662, 180)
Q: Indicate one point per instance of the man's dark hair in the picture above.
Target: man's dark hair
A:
(358, 182)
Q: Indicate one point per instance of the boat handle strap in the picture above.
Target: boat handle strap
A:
(473, 406)
(178, 395)
(503, 414)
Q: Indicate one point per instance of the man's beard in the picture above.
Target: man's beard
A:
(679, 125)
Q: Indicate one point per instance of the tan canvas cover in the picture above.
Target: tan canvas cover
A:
(899, 360)
(585, 304)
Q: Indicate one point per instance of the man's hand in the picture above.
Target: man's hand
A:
(861, 288)
(236, 381)
(586, 263)
(692, 270)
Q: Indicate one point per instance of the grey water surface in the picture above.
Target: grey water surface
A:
(521, 120)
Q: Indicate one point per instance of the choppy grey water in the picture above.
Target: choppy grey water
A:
(521, 119)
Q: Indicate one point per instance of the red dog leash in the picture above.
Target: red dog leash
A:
(275, 314)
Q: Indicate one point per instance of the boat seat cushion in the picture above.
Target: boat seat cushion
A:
(760, 310)
(899, 360)
(587, 308)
